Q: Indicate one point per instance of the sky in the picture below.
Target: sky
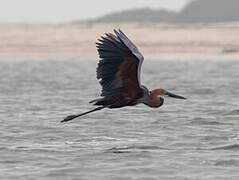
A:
(60, 11)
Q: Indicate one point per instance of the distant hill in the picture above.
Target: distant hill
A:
(197, 11)
(210, 11)
(138, 15)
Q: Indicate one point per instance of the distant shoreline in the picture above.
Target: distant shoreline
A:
(155, 40)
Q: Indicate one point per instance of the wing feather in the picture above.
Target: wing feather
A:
(119, 67)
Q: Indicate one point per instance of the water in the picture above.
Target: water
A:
(193, 139)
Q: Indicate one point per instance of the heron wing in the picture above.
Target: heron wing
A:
(120, 66)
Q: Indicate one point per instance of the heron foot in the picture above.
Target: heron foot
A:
(68, 118)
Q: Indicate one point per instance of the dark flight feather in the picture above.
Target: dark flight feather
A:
(119, 69)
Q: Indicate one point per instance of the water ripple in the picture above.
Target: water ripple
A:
(227, 147)
(233, 112)
(135, 148)
(181, 140)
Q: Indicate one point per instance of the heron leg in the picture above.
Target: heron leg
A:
(71, 117)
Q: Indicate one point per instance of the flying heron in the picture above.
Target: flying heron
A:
(119, 74)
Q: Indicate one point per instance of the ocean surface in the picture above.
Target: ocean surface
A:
(197, 138)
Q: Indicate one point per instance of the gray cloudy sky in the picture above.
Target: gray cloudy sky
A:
(35, 11)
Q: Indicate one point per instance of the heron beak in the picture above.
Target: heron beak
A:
(174, 95)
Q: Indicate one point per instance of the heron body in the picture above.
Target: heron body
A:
(118, 73)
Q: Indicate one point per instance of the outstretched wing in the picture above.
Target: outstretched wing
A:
(120, 66)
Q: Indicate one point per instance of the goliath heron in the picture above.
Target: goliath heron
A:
(119, 75)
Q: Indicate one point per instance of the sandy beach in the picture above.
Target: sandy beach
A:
(155, 41)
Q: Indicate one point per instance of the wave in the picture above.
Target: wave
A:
(205, 121)
(233, 112)
(227, 147)
(226, 163)
(135, 148)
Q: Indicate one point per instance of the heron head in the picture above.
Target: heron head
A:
(163, 93)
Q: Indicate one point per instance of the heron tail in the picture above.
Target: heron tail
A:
(71, 117)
